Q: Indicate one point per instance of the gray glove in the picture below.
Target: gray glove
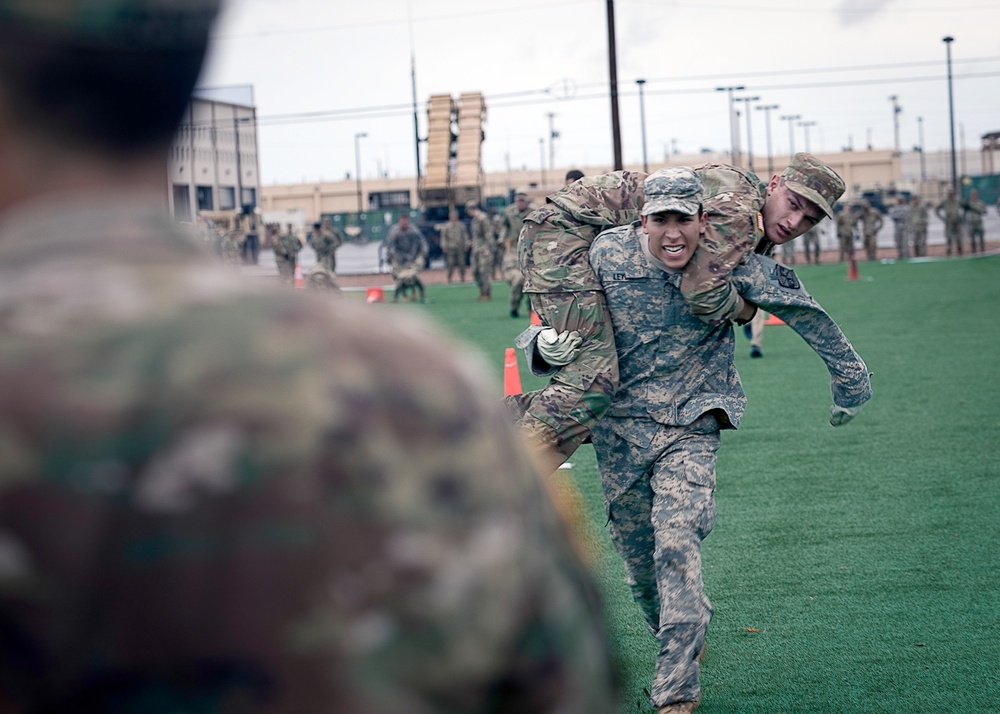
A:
(558, 348)
(841, 415)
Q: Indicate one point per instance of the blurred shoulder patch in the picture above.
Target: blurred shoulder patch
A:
(785, 277)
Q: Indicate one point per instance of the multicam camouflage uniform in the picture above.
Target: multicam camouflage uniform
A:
(871, 224)
(950, 212)
(810, 245)
(657, 444)
(405, 249)
(510, 228)
(846, 221)
(975, 209)
(208, 502)
(286, 255)
(900, 217)
(483, 250)
(916, 226)
(454, 243)
(325, 242)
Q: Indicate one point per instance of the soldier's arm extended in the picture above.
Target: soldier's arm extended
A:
(777, 289)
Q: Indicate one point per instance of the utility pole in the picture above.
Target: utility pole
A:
(896, 110)
(642, 119)
(766, 108)
(791, 119)
(920, 134)
(951, 116)
(553, 135)
(616, 133)
(747, 100)
(805, 125)
(732, 124)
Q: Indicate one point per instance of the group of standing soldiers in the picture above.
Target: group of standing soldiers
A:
(910, 218)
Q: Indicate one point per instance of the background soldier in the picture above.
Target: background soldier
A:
(845, 231)
(510, 228)
(950, 212)
(810, 244)
(975, 209)
(286, 254)
(220, 497)
(482, 251)
(871, 223)
(900, 214)
(455, 244)
(325, 239)
(406, 250)
(916, 226)
(232, 243)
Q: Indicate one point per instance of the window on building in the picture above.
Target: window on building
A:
(227, 198)
(204, 194)
(378, 200)
(249, 197)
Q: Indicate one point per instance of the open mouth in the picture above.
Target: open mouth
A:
(673, 249)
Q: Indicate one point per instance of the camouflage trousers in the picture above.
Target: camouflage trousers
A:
(512, 274)
(482, 271)
(561, 414)
(977, 243)
(953, 236)
(286, 270)
(455, 258)
(659, 489)
(919, 242)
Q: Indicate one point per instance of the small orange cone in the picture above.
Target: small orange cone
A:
(852, 269)
(774, 320)
(299, 282)
(375, 295)
(511, 374)
(535, 319)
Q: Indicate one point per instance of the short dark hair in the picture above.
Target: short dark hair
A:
(115, 100)
(574, 175)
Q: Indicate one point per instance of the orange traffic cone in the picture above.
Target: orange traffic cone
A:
(852, 269)
(375, 295)
(299, 282)
(511, 374)
(535, 319)
(774, 320)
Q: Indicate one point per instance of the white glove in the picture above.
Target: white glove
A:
(841, 415)
(558, 348)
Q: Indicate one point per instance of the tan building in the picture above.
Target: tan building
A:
(214, 163)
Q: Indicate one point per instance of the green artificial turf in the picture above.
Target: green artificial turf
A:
(853, 569)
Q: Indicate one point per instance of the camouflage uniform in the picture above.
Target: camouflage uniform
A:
(657, 444)
(319, 277)
(975, 209)
(232, 247)
(286, 255)
(483, 248)
(846, 221)
(950, 212)
(900, 216)
(871, 224)
(405, 249)
(916, 226)
(510, 228)
(325, 242)
(454, 243)
(810, 245)
(226, 499)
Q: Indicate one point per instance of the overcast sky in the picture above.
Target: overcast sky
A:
(325, 70)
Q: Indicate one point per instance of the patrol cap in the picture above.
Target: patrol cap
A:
(521, 192)
(471, 204)
(114, 24)
(813, 180)
(677, 189)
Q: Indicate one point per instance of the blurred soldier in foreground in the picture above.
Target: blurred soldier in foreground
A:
(454, 244)
(916, 226)
(950, 213)
(286, 254)
(975, 209)
(510, 228)
(219, 497)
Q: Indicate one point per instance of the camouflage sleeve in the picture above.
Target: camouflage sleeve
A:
(734, 227)
(527, 341)
(767, 283)
(607, 200)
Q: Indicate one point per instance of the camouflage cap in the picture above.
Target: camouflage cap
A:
(521, 192)
(153, 24)
(677, 189)
(814, 180)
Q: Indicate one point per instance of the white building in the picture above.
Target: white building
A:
(214, 164)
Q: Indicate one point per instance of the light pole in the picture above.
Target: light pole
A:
(642, 119)
(553, 135)
(791, 119)
(541, 156)
(747, 100)
(732, 125)
(805, 125)
(951, 116)
(357, 167)
(920, 134)
(766, 108)
(896, 110)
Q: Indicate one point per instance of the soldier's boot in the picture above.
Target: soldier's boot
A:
(679, 707)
